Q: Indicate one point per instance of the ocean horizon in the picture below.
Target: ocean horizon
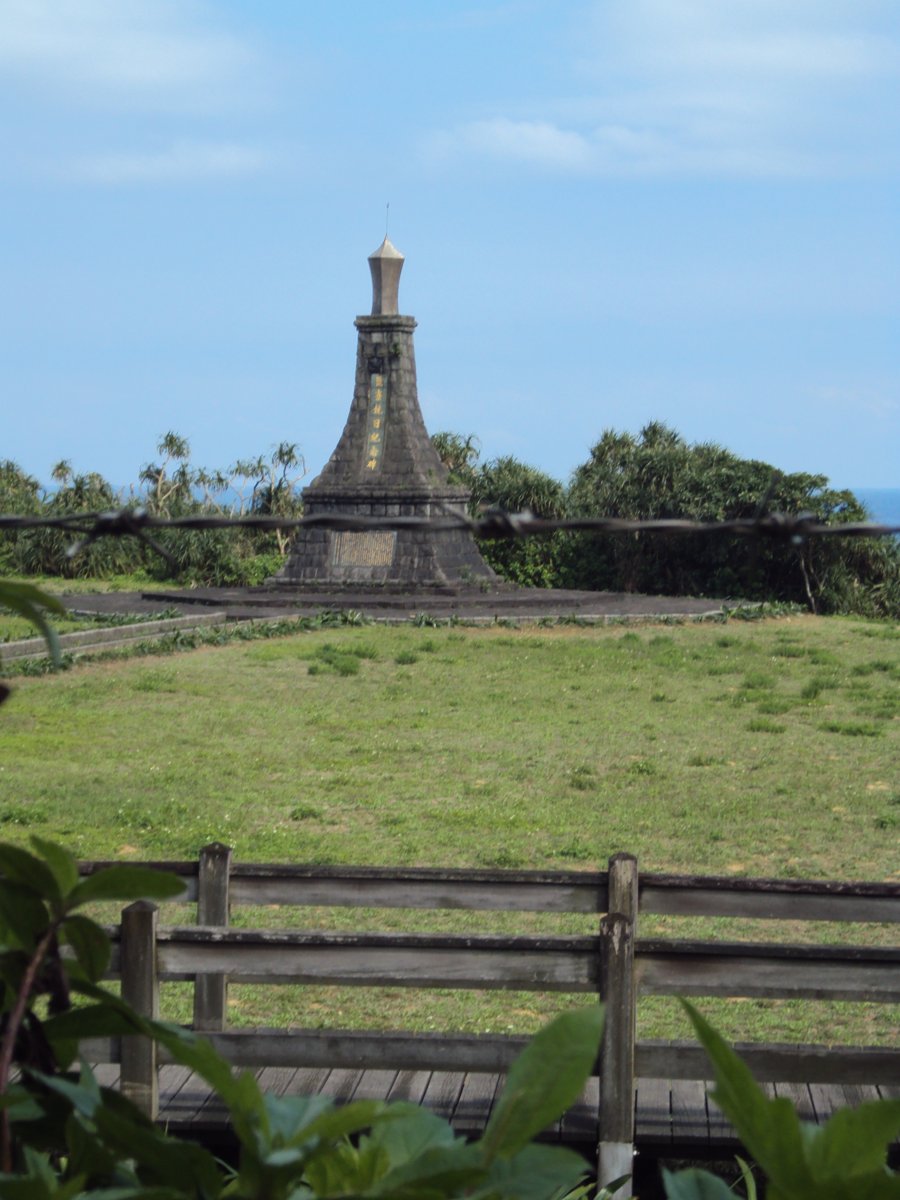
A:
(882, 503)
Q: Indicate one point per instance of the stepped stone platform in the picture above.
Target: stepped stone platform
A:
(469, 603)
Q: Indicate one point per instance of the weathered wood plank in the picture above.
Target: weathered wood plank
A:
(213, 908)
(476, 1100)
(381, 960)
(688, 1101)
(101, 1049)
(380, 887)
(770, 899)
(443, 1092)
(798, 1094)
(582, 1121)
(653, 1110)
(181, 1095)
(617, 1052)
(720, 1128)
(375, 1085)
(779, 971)
(775, 1062)
(140, 989)
(107, 1074)
(308, 1081)
(277, 1080)
(354, 1048)
(545, 891)
(341, 1084)
(409, 1085)
(827, 1099)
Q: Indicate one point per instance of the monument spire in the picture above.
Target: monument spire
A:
(384, 465)
(386, 263)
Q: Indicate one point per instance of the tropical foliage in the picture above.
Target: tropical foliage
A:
(657, 474)
(169, 486)
(509, 486)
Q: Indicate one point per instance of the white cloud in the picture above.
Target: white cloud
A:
(537, 142)
(151, 52)
(180, 162)
(722, 87)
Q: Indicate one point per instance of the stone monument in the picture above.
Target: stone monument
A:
(384, 466)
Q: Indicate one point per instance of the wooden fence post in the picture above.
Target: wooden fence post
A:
(617, 931)
(213, 908)
(140, 989)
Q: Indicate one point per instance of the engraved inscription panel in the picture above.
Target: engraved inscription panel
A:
(375, 421)
(370, 549)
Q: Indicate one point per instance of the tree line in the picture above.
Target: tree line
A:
(654, 474)
(168, 486)
(657, 474)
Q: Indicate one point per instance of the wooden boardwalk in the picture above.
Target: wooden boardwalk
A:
(649, 1095)
(672, 1117)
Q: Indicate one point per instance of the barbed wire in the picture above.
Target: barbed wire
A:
(493, 523)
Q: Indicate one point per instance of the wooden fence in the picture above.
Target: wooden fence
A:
(614, 964)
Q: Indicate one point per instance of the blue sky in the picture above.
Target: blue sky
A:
(612, 212)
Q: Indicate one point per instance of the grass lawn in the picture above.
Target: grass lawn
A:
(761, 748)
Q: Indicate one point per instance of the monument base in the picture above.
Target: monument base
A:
(384, 557)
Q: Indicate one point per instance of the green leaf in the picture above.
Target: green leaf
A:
(770, 1129)
(535, 1173)
(94, 1020)
(83, 1095)
(695, 1184)
(21, 1104)
(126, 882)
(855, 1141)
(342, 1122)
(240, 1093)
(32, 604)
(747, 1177)
(90, 943)
(23, 916)
(59, 860)
(23, 868)
(405, 1131)
(441, 1171)
(287, 1118)
(161, 1160)
(546, 1078)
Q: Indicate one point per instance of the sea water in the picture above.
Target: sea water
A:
(882, 503)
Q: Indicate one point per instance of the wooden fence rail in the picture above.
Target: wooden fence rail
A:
(614, 964)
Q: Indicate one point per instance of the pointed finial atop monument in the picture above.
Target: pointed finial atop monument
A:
(385, 264)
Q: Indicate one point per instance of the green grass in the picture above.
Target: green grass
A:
(534, 747)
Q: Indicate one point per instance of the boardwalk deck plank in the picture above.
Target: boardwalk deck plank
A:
(107, 1074)
(476, 1100)
(341, 1084)
(443, 1092)
(581, 1122)
(653, 1110)
(667, 1112)
(409, 1085)
(720, 1128)
(689, 1122)
(375, 1085)
(276, 1080)
(308, 1081)
(798, 1094)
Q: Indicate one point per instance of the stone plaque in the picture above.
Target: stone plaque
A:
(370, 549)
